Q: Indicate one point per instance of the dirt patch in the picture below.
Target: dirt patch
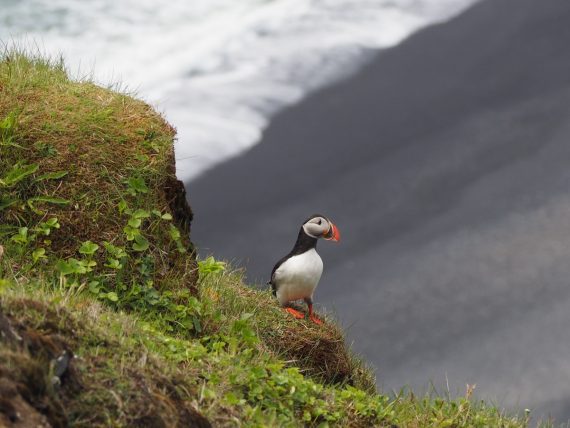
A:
(43, 385)
(15, 411)
(27, 385)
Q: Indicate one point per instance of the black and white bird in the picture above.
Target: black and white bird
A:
(296, 275)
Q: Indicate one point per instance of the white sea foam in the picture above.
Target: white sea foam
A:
(219, 69)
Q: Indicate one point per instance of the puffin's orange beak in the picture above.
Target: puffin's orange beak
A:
(333, 234)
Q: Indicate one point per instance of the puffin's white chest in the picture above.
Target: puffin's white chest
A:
(298, 276)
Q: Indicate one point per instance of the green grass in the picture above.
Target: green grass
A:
(133, 372)
(95, 259)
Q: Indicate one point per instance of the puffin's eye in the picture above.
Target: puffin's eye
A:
(319, 222)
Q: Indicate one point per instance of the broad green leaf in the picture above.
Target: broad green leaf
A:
(88, 248)
(140, 244)
(77, 266)
(7, 125)
(51, 176)
(46, 227)
(112, 296)
(87, 265)
(64, 267)
(18, 173)
(94, 287)
(137, 184)
(39, 253)
(49, 200)
(166, 216)
(174, 233)
(71, 266)
(46, 199)
(210, 265)
(141, 214)
(135, 222)
(113, 263)
(22, 236)
(122, 206)
(131, 232)
(53, 222)
(117, 252)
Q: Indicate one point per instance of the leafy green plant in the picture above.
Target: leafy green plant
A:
(45, 149)
(7, 128)
(165, 216)
(31, 202)
(88, 248)
(133, 229)
(98, 290)
(177, 238)
(136, 185)
(39, 253)
(73, 266)
(22, 237)
(116, 256)
(17, 173)
(210, 266)
(141, 243)
(25, 238)
(45, 227)
(51, 176)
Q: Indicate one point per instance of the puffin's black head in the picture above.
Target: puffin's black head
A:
(318, 226)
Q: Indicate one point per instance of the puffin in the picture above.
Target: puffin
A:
(297, 275)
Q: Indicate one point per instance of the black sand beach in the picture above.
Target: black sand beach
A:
(446, 165)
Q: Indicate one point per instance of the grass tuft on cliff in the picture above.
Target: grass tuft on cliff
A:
(106, 317)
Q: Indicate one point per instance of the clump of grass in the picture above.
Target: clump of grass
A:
(97, 166)
(319, 350)
(118, 376)
(128, 372)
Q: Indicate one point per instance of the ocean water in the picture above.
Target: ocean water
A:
(217, 69)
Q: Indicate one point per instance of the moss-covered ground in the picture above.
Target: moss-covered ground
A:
(106, 317)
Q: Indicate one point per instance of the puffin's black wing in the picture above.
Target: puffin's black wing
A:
(304, 243)
(272, 280)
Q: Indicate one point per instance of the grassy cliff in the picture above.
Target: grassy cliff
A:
(106, 316)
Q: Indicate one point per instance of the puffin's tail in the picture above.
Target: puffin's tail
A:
(273, 287)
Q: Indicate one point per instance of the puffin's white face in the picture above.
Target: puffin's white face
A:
(321, 227)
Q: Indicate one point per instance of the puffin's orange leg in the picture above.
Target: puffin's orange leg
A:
(313, 316)
(295, 313)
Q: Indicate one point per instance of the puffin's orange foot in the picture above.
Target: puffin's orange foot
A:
(315, 319)
(295, 313)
